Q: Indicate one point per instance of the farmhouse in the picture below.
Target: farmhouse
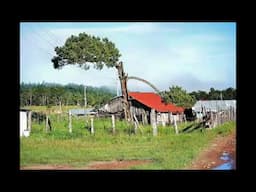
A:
(142, 104)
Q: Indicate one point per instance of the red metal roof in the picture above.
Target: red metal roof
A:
(154, 101)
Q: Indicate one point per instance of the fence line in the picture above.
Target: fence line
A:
(213, 119)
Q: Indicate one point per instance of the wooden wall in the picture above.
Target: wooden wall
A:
(114, 106)
(141, 112)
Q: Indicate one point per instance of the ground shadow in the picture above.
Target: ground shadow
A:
(193, 127)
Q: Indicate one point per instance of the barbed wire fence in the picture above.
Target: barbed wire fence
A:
(213, 119)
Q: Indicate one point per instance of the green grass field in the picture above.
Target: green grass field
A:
(166, 150)
(51, 109)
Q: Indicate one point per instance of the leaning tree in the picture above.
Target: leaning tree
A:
(87, 50)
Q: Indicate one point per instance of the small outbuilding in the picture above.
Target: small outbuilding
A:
(25, 122)
(142, 104)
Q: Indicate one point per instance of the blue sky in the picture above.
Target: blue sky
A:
(193, 55)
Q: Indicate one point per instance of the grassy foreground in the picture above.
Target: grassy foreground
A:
(167, 150)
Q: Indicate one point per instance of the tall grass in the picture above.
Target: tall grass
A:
(167, 150)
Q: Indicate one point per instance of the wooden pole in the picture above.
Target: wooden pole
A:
(184, 117)
(136, 123)
(145, 117)
(153, 121)
(60, 107)
(85, 99)
(135, 127)
(29, 120)
(169, 118)
(70, 122)
(175, 125)
(163, 120)
(154, 129)
(86, 121)
(92, 128)
(142, 118)
(46, 123)
(113, 124)
(230, 113)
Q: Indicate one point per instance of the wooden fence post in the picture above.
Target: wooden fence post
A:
(170, 118)
(92, 128)
(46, 123)
(135, 127)
(136, 124)
(153, 121)
(70, 122)
(113, 124)
(29, 120)
(175, 125)
(163, 120)
(184, 118)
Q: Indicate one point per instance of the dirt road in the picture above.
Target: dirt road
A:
(210, 157)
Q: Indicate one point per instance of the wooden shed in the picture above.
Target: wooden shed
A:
(142, 103)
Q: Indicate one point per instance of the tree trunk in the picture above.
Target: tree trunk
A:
(123, 82)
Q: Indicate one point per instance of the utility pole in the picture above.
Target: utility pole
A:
(85, 100)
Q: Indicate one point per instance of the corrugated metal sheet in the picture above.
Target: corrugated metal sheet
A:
(154, 101)
(81, 111)
(214, 105)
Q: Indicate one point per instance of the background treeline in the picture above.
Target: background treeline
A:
(49, 94)
(214, 94)
(181, 97)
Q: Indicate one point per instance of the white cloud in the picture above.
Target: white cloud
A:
(131, 28)
(147, 52)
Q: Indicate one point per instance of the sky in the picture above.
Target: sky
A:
(193, 55)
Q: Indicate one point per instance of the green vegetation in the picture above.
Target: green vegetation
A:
(86, 49)
(167, 150)
(51, 94)
(214, 94)
(180, 97)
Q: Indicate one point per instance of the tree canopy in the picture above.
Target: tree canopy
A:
(214, 94)
(179, 97)
(84, 50)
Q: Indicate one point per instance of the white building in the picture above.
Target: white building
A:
(214, 105)
(25, 122)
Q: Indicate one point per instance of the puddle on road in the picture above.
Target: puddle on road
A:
(229, 162)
